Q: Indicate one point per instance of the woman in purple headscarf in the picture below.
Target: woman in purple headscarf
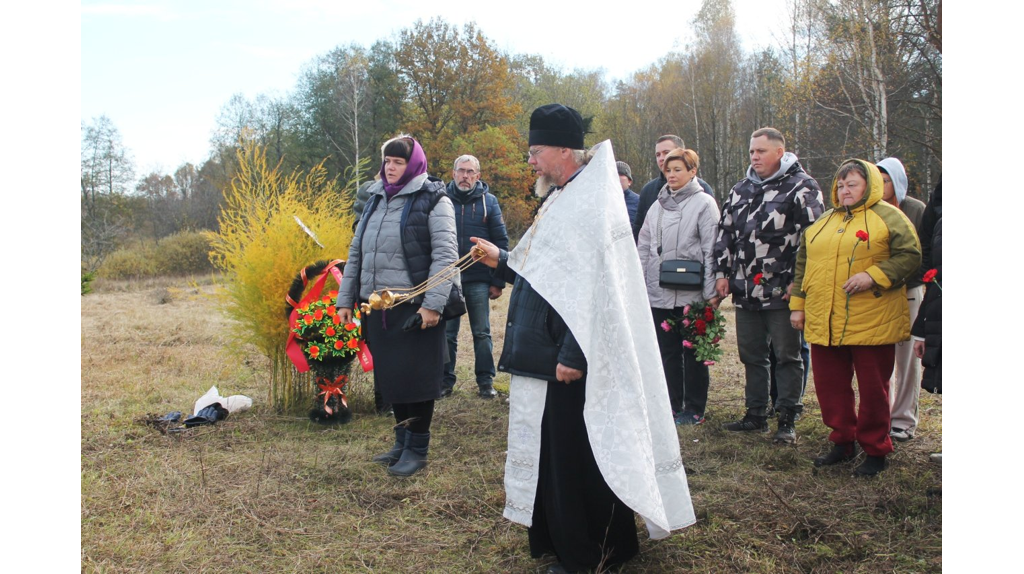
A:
(405, 235)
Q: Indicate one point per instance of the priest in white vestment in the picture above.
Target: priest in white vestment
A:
(591, 438)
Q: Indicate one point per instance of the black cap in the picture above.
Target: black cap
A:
(556, 125)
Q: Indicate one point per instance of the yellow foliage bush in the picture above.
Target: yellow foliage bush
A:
(184, 253)
(261, 247)
(131, 262)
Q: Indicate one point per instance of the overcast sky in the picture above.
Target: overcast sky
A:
(162, 69)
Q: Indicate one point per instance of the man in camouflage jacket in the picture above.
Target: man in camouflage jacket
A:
(755, 256)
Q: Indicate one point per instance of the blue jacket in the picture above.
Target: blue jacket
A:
(632, 201)
(477, 215)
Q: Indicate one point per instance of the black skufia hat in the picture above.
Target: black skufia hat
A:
(556, 125)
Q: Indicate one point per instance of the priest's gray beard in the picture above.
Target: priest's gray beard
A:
(543, 186)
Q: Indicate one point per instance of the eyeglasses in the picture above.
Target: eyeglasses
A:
(536, 151)
(462, 171)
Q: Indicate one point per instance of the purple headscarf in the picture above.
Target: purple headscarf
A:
(417, 165)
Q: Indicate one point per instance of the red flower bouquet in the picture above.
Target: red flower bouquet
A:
(702, 327)
(318, 327)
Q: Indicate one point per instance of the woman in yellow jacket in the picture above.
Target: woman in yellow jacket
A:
(849, 299)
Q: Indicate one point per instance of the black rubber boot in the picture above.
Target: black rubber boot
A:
(391, 457)
(414, 457)
(839, 453)
(871, 466)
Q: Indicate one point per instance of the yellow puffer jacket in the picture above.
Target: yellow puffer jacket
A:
(891, 255)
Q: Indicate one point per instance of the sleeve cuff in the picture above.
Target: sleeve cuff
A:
(880, 279)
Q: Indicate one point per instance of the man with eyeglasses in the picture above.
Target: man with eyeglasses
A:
(477, 214)
(590, 434)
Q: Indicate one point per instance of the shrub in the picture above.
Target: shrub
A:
(261, 247)
(131, 262)
(87, 278)
(184, 253)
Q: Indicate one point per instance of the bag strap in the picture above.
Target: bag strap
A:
(661, 212)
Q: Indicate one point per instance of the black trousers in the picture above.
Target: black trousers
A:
(576, 516)
(419, 414)
(688, 379)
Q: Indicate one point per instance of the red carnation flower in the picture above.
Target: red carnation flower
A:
(336, 319)
(333, 294)
(314, 351)
(339, 344)
(330, 331)
(319, 314)
(350, 326)
(862, 235)
(758, 278)
(353, 344)
(331, 311)
(929, 275)
(307, 319)
(326, 300)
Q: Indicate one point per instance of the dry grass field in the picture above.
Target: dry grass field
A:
(265, 492)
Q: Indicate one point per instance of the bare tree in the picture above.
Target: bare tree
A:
(107, 171)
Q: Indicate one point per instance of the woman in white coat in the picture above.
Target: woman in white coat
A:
(682, 224)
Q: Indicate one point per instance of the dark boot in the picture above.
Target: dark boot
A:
(391, 457)
(839, 453)
(871, 466)
(787, 429)
(749, 423)
(414, 457)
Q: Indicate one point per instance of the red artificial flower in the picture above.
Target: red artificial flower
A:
(339, 344)
(331, 310)
(929, 275)
(333, 294)
(319, 314)
(330, 331)
(353, 344)
(326, 300)
(350, 326)
(314, 351)
(758, 278)
(336, 319)
(862, 235)
(307, 319)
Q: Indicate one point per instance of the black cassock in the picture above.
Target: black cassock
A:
(576, 516)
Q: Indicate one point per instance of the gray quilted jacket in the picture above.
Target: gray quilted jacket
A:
(379, 256)
(689, 228)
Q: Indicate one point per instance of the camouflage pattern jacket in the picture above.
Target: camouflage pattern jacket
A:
(759, 234)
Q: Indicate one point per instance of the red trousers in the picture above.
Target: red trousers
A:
(833, 369)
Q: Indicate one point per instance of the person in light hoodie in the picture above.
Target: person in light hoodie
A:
(904, 385)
